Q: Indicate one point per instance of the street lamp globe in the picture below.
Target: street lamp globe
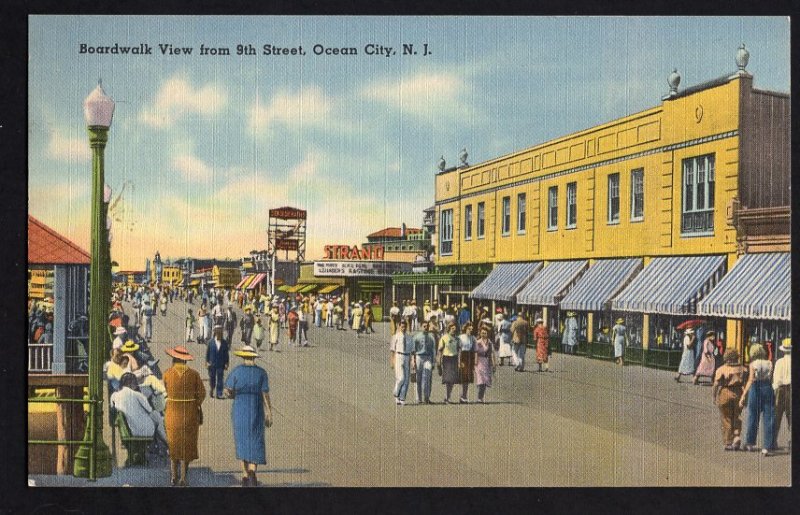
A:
(98, 108)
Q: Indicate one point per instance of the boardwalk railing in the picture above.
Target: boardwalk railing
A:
(40, 357)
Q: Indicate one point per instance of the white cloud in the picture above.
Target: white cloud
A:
(192, 168)
(308, 107)
(64, 148)
(177, 98)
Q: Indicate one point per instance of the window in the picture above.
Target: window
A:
(613, 198)
(481, 219)
(552, 211)
(698, 195)
(572, 205)
(637, 195)
(521, 213)
(468, 222)
(446, 233)
(506, 221)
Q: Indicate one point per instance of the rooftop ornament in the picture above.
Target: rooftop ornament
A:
(463, 156)
(742, 58)
(442, 164)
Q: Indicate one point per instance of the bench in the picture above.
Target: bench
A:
(135, 445)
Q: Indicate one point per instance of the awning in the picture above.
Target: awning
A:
(285, 288)
(296, 288)
(758, 287)
(548, 286)
(307, 288)
(247, 281)
(256, 281)
(329, 289)
(600, 283)
(505, 281)
(671, 285)
(195, 282)
(245, 278)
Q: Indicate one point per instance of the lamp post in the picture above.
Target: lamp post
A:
(93, 458)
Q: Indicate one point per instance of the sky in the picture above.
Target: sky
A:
(202, 146)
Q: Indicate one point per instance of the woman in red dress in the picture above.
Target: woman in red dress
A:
(542, 336)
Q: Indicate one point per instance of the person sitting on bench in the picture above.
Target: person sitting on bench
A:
(140, 416)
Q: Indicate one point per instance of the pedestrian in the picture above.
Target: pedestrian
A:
(569, 340)
(246, 325)
(229, 323)
(248, 386)
(368, 318)
(541, 334)
(424, 350)
(782, 385)
(185, 395)
(466, 361)
(338, 316)
(401, 347)
(120, 337)
(707, 365)
(162, 304)
(217, 360)
(331, 313)
(619, 336)
(282, 311)
(218, 313)
(205, 326)
(504, 351)
(147, 313)
(258, 333)
(520, 332)
(293, 318)
(485, 362)
(729, 381)
(686, 366)
(318, 313)
(357, 314)
(189, 326)
(274, 327)
(760, 400)
(394, 317)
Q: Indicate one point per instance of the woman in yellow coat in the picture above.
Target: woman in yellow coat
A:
(185, 394)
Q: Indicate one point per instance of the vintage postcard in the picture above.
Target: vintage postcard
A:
(408, 251)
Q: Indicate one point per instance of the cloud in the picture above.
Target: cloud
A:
(64, 148)
(192, 168)
(308, 107)
(178, 98)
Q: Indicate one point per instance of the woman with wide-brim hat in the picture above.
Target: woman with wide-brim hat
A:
(248, 385)
(185, 394)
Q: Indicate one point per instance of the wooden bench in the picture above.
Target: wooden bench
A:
(135, 445)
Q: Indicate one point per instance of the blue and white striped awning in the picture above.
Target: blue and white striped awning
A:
(671, 285)
(549, 285)
(600, 283)
(505, 280)
(757, 287)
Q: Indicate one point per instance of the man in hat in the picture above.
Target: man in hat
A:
(217, 359)
(569, 341)
(229, 323)
(782, 384)
(120, 336)
(246, 325)
(463, 315)
(520, 330)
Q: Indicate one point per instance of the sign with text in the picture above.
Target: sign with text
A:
(288, 213)
(370, 253)
(358, 268)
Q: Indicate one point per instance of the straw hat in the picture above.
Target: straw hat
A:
(570, 313)
(129, 346)
(689, 330)
(119, 331)
(246, 352)
(180, 352)
(538, 320)
(620, 321)
(786, 345)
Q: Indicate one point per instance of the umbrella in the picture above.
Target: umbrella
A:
(690, 323)
(115, 322)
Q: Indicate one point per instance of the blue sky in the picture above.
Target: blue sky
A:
(204, 145)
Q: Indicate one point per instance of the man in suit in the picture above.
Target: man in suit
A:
(217, 359)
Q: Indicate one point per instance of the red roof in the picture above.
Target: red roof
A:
(393, 232)
(47, 247)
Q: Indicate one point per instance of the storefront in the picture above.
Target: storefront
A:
(449, 286)
(504, 282)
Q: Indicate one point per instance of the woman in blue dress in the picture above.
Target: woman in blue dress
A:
(248, 385)
(619, 338)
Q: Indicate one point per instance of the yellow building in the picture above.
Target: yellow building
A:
(225, 277)
(668, 182)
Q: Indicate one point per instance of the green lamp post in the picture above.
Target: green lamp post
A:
(93, 458)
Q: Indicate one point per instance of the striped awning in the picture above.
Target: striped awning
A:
(505, 280)
(671, 285)
(256, 281)
(329, 289)
(247, 281)
(307, 288)
(245, 278)
(757, 287)
(548, 286)
(285, 288)
(600, 283)
(195, 282)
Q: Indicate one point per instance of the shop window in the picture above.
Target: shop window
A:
(552, 208)
(769, 333)
(506, 221)
(481, 229)
(446, 232)
(613, 198)
(698, 195)
(521, 213)
(468, 222)
(572, 205)
(637, 195)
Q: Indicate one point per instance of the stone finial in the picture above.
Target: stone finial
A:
(442, 164)
(463, 156)
(742, 58)
(674, 80)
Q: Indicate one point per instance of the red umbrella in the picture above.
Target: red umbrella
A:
(690, 323)
(115, 322)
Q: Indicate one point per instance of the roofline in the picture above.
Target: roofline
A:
(47, 228)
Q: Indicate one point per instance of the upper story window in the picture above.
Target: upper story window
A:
(446, 233)
(552, 208)
(468, 222)
(613, 198)
(637, 195)
(698, 195)
(481, 229)
(572, 205)
(506, 221)
(521, 213)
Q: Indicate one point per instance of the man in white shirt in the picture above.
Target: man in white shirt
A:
(401, 347)
(121, 335)
(782, 384)
(394, 316)
(141, 418)
(329, 308)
